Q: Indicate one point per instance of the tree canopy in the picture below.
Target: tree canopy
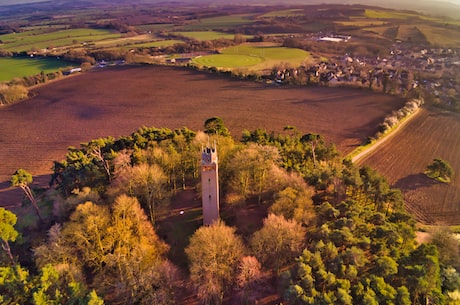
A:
(440, 170)
(22, 178)
(215, 125)
(7, 231)
(334, 232)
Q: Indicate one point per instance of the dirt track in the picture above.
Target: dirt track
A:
(117, 101)
(369, 150)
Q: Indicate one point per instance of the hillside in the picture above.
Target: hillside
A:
(430, 7)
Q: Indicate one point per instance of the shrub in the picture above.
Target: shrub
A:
(11, 94)
(396, 116)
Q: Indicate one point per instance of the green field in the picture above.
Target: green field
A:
(411, 33)
(439, 36)
(156, 27)
(409, 27)
(122, 41)
(158, 44)
(26, 41)
(381, 14)
(222, 22)
(259, 57)
(228, 60)
(268, 52)
(20, 67)
(377, 14)
(206, 35)
(361, 22)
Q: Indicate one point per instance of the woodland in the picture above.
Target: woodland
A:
(326, 231)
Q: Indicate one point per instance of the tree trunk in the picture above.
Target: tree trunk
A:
(6, 247)
(313, 153)
(97, 153)
(32, 199)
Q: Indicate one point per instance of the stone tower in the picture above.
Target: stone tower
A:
(209, 185)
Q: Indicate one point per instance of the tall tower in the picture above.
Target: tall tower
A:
(209, 185)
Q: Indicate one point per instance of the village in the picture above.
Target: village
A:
(402, 68)
(435, 70)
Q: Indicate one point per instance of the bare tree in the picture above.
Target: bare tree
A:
(148, 184)
(278, 242)
(96, 153)
(249, 272)
(214, 253)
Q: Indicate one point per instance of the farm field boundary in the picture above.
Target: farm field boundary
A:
(362, 151)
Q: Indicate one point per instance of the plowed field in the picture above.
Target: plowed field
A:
(404, 157)
(117, 101)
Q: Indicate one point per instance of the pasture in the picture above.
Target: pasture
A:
(440, 36)
(410, 33)
(157, 44)
(389, 14)
(24, 66)
(403, 159)
(418, 33)
(396, 15)
(256, 57)
(205, 35)
(124, 41)
(227, 60)
(221, 22)
(26, 41)
(116, 101)
(156, 27)
(357, 22)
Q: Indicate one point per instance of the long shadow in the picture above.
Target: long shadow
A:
(11, 198)
(371, 127)
(415, 181)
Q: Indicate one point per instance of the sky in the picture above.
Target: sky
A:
(9, 2)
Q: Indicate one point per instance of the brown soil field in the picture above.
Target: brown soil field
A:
(403, 159)
(117, 101)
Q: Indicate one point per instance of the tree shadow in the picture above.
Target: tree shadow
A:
(415, 181)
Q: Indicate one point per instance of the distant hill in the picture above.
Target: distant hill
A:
(432, 7)
(12, 2)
